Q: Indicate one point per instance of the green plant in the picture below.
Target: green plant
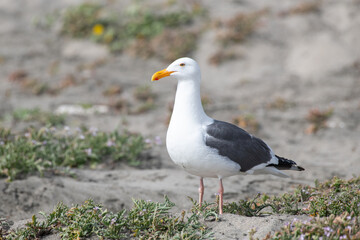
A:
(145, 220)
(79, 20)
(46, 148)
(138, 28)
(153, 220)
(249, 208)
(344, 226)
(333, 197)
(35, 114)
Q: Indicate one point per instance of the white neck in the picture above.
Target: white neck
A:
(188, 108)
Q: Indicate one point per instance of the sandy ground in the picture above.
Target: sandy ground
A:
(311, 60)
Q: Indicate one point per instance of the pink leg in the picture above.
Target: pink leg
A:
(201, 191)
(221, 201)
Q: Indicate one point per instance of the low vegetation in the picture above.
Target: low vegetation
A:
(30, 84)
(51, 148)
(144, 93)
(280, 103)
(112, 90)
(145, 96)
(37, 87)
(35, 115)
(239, 28)
(145, 220)
(333, 205)
(333, 197)
(344, 226)
(235, 30)
(302, 8)
(222, 56)
(318, 119)
(333, 208)
(248, 122)
(142, 31)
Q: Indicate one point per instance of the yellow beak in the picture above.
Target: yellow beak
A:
(161, 74)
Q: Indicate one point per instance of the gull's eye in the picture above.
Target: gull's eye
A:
(182, 64)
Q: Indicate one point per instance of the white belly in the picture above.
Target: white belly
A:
(187, 149)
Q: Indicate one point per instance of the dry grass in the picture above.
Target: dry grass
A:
(247, 122)
(232, 31)
(68, 81)
(112, 90)
(318, 119)
(302, 8)
(145, 96)
(280, 103)
(119, 105)
(144, 106)
(240, 27)
(143, 93)
(172, 44)
(168, 46)
(18, 75)
(91, 66)
(222, 56)
(37, 87)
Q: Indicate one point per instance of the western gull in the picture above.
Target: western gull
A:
(209, 148)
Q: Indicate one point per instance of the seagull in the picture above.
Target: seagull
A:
(210, 148)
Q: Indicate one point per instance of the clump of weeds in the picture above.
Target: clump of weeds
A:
(234, 31)
(144, 92)
(281, 104)
(112, 90)
(36, 115)
(332, 207)
(50, 148)
(145, 95)
(37, 87)
(249, 122)
(318, 119)
(344, 226)
(333, 197)
(139, 30)
(239, 28)
(145, 220)
(222, 56)
(302, 8)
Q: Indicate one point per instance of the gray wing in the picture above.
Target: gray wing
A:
(237, 144)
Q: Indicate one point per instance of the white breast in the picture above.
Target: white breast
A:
(185, 140)
(186, 147)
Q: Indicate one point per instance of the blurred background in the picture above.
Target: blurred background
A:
(286, 71)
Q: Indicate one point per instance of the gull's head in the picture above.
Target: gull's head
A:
(182, 69)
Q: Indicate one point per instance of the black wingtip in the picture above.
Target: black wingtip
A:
(300, 168)
(287, 164)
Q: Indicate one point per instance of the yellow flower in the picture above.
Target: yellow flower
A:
(98, 29)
